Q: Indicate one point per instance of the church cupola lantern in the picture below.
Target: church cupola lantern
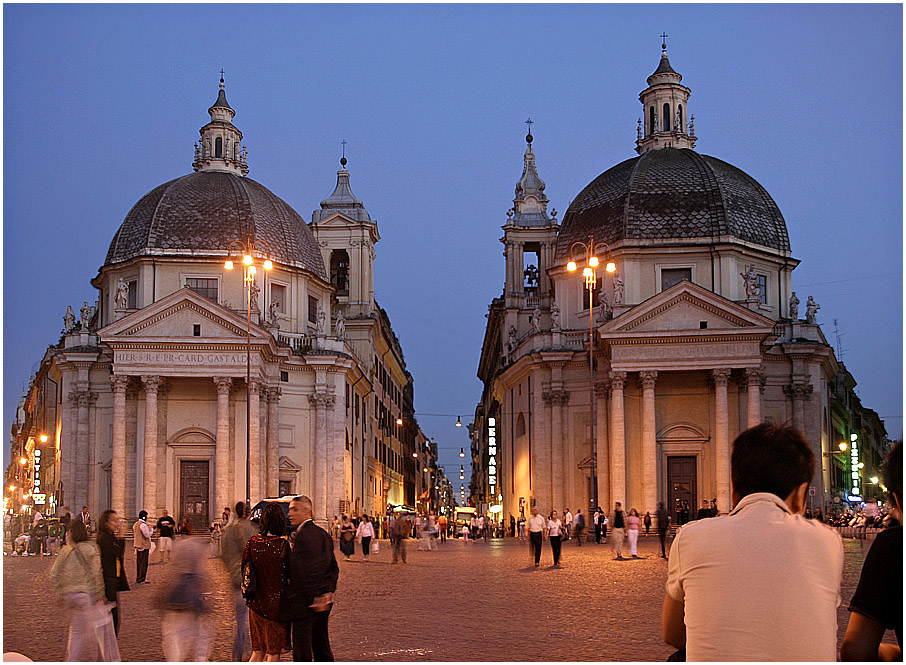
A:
(666, 123)
(220, 148)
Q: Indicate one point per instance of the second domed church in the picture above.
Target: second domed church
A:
(696, 333)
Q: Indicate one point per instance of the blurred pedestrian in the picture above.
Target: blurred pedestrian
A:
(232, 544)
(633, 522)
(66, 520)
(705, 511)
(578, 529)
(663, 523)
(184, 631)
(141, 541)
(267, 554)
(364, 533)
(113, 551)
(226, 516)
(401, 531)
(877, 604)
(85, 518)
(618, 530)
(442, 528)
(554, 534)
(647, 522)
(347, 537)
(39, 532)
(55, 537)
(536, 525)
(521, 526)
(165, 526)
(76, 577)
(313, 574)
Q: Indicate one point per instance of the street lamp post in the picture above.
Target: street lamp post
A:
(589, 272)
(247, 251)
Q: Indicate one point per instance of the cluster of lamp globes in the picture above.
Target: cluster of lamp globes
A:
(588, 271)
(248, 261)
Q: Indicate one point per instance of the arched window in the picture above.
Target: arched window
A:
(520, 425)
(666, 117)
(218, 147)
(339, 271)
(651, 122)
(679, 115)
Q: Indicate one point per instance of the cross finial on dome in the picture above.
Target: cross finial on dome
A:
(343, 158)
(221, 79)
(664, 42)
(528, 137)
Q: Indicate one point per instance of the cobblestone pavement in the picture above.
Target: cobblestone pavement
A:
(465, 602)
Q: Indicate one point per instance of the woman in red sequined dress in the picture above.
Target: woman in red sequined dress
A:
(268, 552)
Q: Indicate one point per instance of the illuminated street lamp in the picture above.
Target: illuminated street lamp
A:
(247, 251)
(462, 453)
(23, 461)
(589, 272)
(458, 421)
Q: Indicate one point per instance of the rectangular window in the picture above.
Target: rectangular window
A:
(278, 297)
(672, 276)
(132, 297)
(196, 330)
(203, 287)
(312, 309)
(284, 377)
(762, 282)
(286, 487)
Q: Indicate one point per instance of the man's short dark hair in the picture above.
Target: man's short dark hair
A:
(142, 514)
(79, 532)
(892, 471)
(771, 458)
(240, 510)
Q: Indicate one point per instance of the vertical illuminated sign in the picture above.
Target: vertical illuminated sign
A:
(39, 498)
(492, 455)
(854, 464)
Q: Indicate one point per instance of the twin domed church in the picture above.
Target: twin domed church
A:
(692, 326)
(188, 386)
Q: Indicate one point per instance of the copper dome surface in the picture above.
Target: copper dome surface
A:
(673, 193)
(200, 214)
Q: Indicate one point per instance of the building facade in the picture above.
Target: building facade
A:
(696, 335)
(184, 376)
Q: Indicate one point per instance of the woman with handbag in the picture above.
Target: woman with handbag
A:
(554, 534)
(113, 550)
(77, 579)
(265, 562)
(347, 537)
(365, 532)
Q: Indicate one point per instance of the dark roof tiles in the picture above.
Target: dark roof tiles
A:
(673, 193)
(205, 212)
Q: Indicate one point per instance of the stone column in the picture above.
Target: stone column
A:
(273, 441)
(540, 482)
(69, 448)
(119, 384)
(254, 396)
(617, 441)
(602, 394)
(722, 438)
(799, 391)
(82, 456)
(322, 402)
(753, 384)
(556, 399)
(649, 442)
(149, 477)
(222, 445)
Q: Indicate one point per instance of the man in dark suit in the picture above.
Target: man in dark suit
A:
(313, 573)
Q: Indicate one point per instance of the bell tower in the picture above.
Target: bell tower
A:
(665, 123)
(347, 236)
(529, 239)
(220, 148)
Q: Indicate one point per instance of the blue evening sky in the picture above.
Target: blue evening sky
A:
(103, 102)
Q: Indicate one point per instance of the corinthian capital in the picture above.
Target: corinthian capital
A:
(273, 393)
(223, 384)
(799, 390)
(617, 380)
(119, 383)
(322, 400)
(720, 376)
(648, 377)
(152, 383)
(754, 376)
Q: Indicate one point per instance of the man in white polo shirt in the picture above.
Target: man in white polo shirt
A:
(763, 583)
(536, 524)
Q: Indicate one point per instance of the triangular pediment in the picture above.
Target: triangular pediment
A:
(685, 307)
(176, 315)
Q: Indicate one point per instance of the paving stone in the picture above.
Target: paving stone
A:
(464, 602)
